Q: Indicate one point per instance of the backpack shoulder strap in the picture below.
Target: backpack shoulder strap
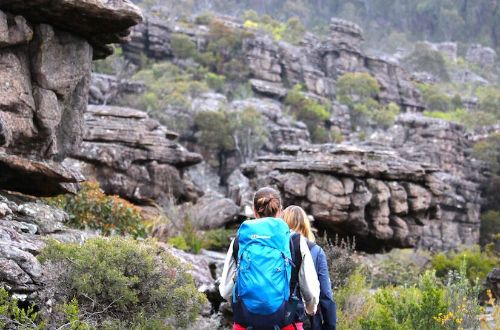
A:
(236, 248)
(297, 261)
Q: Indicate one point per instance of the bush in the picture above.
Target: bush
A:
(490, 227)
(182, 46)
(359, 91)
(215, 81)
(91, 208)
(122, 280)
(436, 100)
(489, 100)
(310, 111)
(423, 58)
(386, 116)
(339, 254)
(488, 150)
(14, 317)
(479, 264)
(218, 239)
(189, 239)
(353, 302)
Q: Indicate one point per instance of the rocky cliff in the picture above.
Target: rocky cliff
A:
(46, 49)
(372, 193)
(133, 156)
(276, 66)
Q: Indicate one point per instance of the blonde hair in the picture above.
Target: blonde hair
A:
(297, 220)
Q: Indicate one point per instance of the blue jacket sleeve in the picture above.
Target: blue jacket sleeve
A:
(328, 309)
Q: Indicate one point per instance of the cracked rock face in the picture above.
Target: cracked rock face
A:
(99, 22)
(23, 224)
(46, 51)
(133, 156)
(374, 194)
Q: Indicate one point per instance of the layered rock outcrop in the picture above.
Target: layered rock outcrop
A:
(133, 156)
(373, 193)
(46, 50)
(277, 66)
(23, 224)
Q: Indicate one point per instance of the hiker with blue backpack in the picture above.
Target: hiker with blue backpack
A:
(267, 268)
(326, 316)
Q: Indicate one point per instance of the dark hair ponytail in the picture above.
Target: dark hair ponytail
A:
(267, 202)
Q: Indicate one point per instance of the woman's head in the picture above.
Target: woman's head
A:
(297, 220)
(267, 203)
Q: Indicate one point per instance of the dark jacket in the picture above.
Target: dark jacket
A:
(326, 316)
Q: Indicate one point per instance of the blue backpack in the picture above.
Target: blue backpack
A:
(264, 294)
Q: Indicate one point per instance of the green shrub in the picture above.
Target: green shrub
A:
(309, 111)
(479, 264)
(14, 317)
(401, 308)
(91, 208)
(386, 116)
(218, 239)
(434, 99)
(423, 58)
(490, 227)
(489, 100)
(359, 91)
(189, 239)
(339, 254)
(182, 46)
(462, 116)
(215, 81)
(122, 280)
(354, 302)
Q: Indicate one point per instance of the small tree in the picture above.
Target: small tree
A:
(182, 46)
(359, 90)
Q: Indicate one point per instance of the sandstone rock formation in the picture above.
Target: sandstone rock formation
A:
(373, 193)
(99, 22)
(23, 223)
(108, 89)
(133, 156)
(485, 57)
(277, 66)
(46, 49)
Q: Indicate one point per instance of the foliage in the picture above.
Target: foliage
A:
(120, 279)
(479, 264)
(225, 131)
(182, 46)
(359, 91)
(92, 208)
(218, 239)
(189, 239)
(168, 86)
(223, 52)
(461, 116)
(489, 100)
(11, 315)
(490, 227)
(423, 58)
(398, 267)
(427, 305)
(193, 241)
(485, 325)
(215, 81)
(339, 254)
(435, 99)
(310, 111)
(354, 302)
(292, 31)
(488, 150)
(386, 115)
